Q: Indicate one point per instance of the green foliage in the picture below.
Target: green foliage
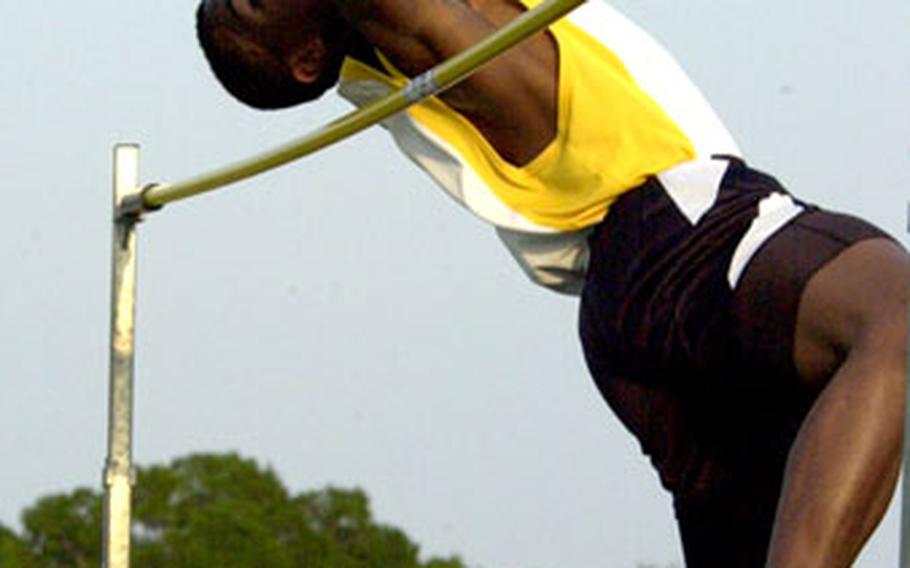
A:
(216, 510)
(208, 510)
(13, 551)
(62, 530)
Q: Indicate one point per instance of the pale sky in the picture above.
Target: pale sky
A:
(340, 319)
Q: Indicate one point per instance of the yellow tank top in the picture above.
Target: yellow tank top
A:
(612, 131)
(626, 112)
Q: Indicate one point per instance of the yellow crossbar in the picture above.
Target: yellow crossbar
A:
(432, 82)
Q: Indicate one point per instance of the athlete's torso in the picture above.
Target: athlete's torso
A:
(626, 111)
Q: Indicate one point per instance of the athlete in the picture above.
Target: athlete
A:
(753, 343)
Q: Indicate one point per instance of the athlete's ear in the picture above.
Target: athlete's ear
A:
(308, 60)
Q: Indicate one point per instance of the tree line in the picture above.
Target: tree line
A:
(215, 510)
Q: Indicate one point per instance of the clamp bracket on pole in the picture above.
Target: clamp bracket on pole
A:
(133, 206)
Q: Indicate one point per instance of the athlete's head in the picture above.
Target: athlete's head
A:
(273, 54)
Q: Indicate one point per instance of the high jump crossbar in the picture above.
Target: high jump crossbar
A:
(132, 201)
(432, 82)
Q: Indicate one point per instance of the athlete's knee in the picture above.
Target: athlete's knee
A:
(855, 306)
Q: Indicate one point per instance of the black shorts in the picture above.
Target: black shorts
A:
(687, 322)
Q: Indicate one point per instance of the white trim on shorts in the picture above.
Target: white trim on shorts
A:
(694, 187)
(774, 211)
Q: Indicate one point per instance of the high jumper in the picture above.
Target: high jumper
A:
(752, 342)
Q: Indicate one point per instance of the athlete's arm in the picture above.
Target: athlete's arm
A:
(512, 100)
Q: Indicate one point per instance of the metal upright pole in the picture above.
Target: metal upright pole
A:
(905, 484)
(118, 472)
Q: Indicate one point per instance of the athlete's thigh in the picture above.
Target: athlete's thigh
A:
(857, 301)
(811, 291)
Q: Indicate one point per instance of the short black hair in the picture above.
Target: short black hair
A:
(257, 77)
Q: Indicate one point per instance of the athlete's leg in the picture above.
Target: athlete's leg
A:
(724, 508)
(662, 347)
(850, 346)
(724, 498)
